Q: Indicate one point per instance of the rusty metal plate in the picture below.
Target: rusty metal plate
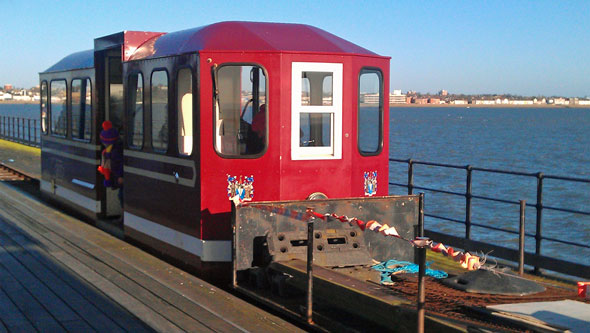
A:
(262, 236)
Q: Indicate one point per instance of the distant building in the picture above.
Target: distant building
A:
(583, 102)
(5, 97)
(22, 98)
(484, 102)
(561, 101)
(443, 93)
(397, 97)
(421, 101)
(7, 87)
(521, 102)
(370, 98)
(459, 102)
(434, 100)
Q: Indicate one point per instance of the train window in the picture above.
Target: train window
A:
(316, 120)
(159, 103)
(370, 112)
(58, 108)
(185, 111)
(135, 117)
(240, 112)
(44, 111)
(81, 109)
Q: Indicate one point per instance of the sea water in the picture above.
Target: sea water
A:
(554, 141)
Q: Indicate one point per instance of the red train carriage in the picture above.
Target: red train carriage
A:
(261, 111)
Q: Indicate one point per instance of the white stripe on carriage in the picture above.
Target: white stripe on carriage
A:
(83, 183)
(73, 143)
(161, 176)
(71, 156)
(76, 198)
(171, 178)
(207, 250)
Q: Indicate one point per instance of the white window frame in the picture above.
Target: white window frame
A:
(334, 151)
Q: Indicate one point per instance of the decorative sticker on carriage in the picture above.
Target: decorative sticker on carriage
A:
(240, 189)
(370, 183)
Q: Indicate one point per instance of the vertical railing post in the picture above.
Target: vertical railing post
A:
(13, 129)
(18, 129)
(421, 215)
(539, 206)
(29, 130)
(468, 197)
(521, 236)
(309, 312)
(421, 302)
(35, 131)
(410, 176)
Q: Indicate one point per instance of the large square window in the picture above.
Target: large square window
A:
(316, 111)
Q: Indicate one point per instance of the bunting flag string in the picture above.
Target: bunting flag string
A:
(465, 259)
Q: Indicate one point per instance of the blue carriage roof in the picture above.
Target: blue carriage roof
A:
(78, 60)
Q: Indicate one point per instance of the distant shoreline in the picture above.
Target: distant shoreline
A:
(19, 102)
(425, 105)
(479, 106)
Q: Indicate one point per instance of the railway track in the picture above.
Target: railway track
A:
(8, 174)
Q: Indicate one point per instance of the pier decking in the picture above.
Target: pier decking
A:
(60, 274)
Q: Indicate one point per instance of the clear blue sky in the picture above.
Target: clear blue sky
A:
(518, 47)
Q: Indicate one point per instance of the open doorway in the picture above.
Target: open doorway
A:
(114, 112)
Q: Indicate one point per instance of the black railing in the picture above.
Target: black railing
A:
(21, 130)
(537, 260)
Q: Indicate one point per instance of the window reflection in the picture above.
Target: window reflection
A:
(81, 109)
(135, 115)
(241, 112)
(44, 111)
(59, 123)
(370, 112)
(160, 110)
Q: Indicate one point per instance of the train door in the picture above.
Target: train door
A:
(114, 110)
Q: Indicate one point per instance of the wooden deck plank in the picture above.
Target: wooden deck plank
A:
(85, 250)
(125, 280)
(92, 295)
(33, 311)
(55, 276)
(11, 317)
(112, 290)
(35, 285)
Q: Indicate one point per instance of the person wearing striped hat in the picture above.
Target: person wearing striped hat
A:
(112, 158)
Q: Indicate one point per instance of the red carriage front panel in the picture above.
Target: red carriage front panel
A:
(239, 136)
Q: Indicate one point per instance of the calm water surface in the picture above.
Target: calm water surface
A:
(554, 141)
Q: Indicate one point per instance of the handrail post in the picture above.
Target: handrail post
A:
(468, 197)
(521, 235)
(29, 129)
(17, 129)
(539, 206)
(421, 215)
(35, 130)
(421, 301)
(410, 176)
(309, 312)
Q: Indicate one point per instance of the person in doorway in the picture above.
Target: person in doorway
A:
(111, 165)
